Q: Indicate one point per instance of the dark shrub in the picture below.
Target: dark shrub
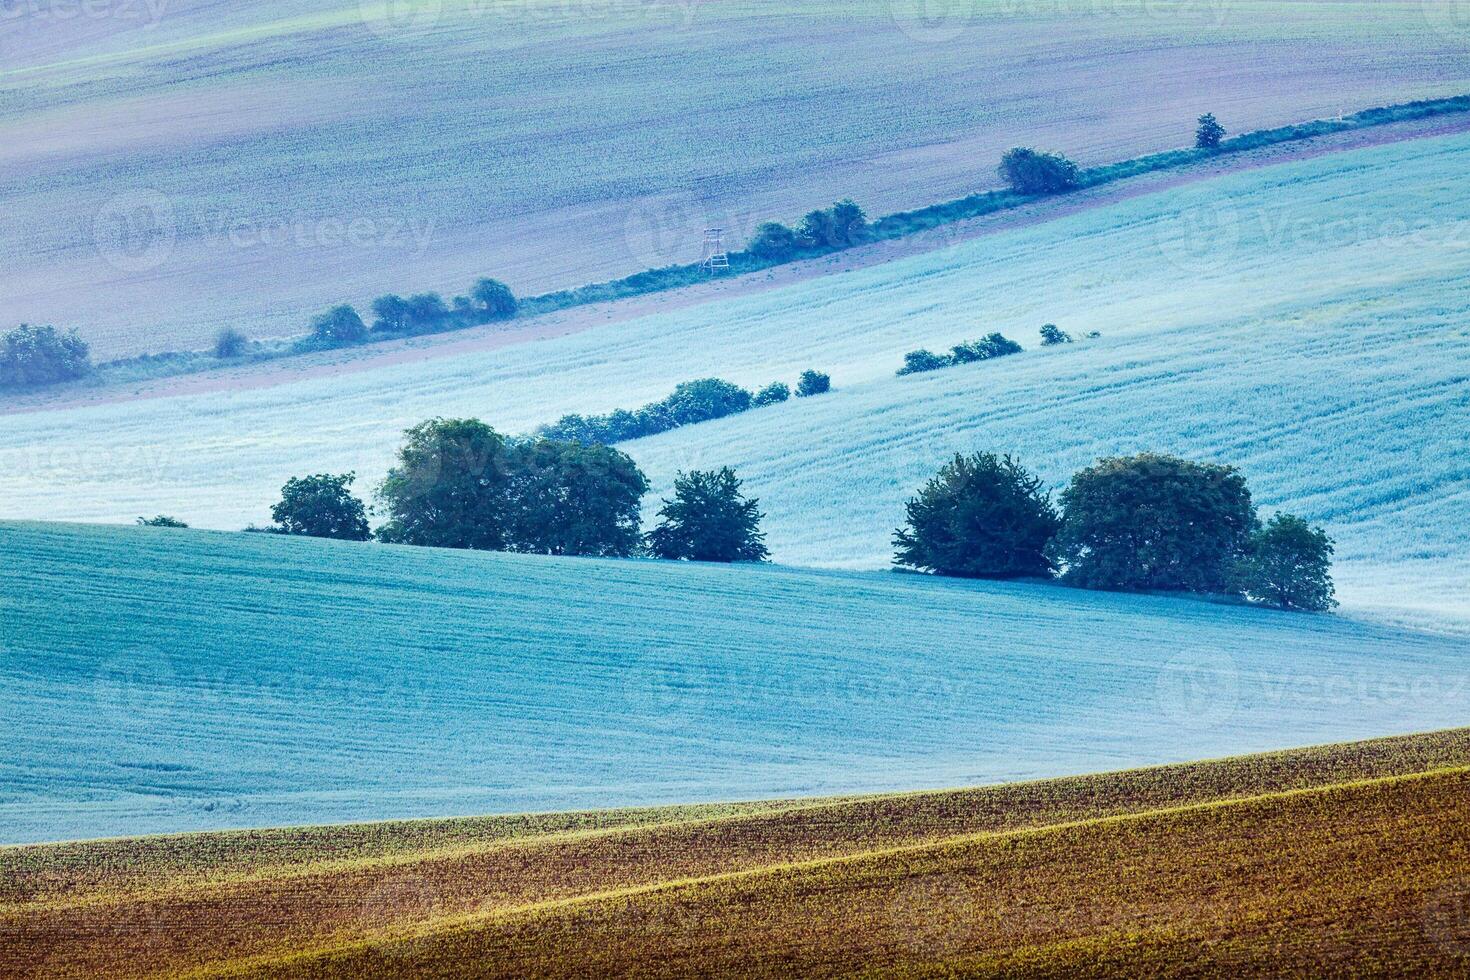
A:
(571, 499)
(448, 488)
(1030, 172)
(812, 383)
(392, 313)
(229, 344)
(1288, 564)
(772, 240)
(776, 391)
(1153, 522)
(708, 520)
(982, 516)
(919, 361)
(162, 520)
(321, 506)
(839, 226)
(984, 349)
(493, 300)
(705, 399)
(339, 325)
(32, 356)
(1209, 134)
(1051, 335)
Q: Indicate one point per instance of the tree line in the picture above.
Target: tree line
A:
(1143, 523)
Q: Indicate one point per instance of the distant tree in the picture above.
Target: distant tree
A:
(1209, 134)
(1154, 522)
(990, 346)
(1051, 335)
(230, 343)
(569, 499)
(708, 520)
(393, 314)
(919, 361)
(339, 325)
(815, 229)
(494, 300)
(1030, 172)
(813, 383)
(162, 520)
(849, 222)
(321, 506)
(1288, 564)
(33, 356)
(982, 516)
(448, 488)
(705, 399)
(426, 312)
(776, 391)
(772, 240)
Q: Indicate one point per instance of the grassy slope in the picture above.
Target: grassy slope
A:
(1305, 321)
(1347, 854)
(557, 145)
(161, 681)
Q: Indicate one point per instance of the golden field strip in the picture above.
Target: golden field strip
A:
(1346, 859)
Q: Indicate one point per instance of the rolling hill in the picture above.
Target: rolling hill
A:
(1348, 855)
(202, 164)
(161, 681)
(1305, 321)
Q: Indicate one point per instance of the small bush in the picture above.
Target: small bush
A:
(813, 383)
(1051, 335)
(919, 361)
(708, 519)
(982, 516)
(1288, 565)
(772, 240)
(840, 226)
(321, 506)
(34, 356)
(493, 300)
(229, 344)
(771, 394)
(1209, 134)
(1030, 172)
(339, 325)
(162, 520)
(991, 346)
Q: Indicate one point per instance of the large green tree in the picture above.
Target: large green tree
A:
(572, 499)
(449, 487)
(1288, 565)
(1154, 522)
(708, 519)
(981, 516)
(321, 506)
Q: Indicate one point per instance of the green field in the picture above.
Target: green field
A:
(1349, 858)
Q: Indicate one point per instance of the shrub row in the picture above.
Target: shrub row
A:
(690, 403)
(985, 349)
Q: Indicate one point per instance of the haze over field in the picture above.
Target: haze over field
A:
(169, 169)
(1306, 322)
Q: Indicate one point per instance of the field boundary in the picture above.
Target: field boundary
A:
(887, 228)
(469, 922)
